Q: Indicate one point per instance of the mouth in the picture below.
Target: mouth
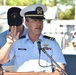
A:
(38, 28)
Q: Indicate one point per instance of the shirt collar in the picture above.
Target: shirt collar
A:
(41, 37)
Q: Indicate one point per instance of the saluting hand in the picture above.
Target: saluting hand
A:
(13, 35)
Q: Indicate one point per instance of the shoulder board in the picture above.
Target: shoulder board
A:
(51, 38)
(22, 37)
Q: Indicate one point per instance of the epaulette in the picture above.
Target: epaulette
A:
(22, 37)
(51, 38)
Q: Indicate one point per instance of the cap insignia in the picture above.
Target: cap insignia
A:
(39, 10)
(14, 15)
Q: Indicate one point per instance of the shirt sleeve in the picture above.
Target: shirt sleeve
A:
(57, 53)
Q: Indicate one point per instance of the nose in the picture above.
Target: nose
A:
(39, 22)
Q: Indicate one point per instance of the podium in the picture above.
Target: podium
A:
(30, 73)
(27, 73)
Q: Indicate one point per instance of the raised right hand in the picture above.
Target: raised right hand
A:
(13, 35)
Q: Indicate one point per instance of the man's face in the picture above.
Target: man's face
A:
(35, 26)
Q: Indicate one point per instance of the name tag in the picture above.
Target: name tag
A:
(21, 48)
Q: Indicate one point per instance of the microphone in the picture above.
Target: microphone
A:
(50, 57)
(63, 71)
(39, 45)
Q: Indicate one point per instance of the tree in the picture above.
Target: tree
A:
(21, 2)
(68, 14)
(66, 2)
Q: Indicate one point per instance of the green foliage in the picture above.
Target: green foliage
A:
(67, 14)
(21, 2)
(0, 2)
(66, 2)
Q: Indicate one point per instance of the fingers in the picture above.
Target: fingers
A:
(9, 36)
(13, 30)
(13, 35)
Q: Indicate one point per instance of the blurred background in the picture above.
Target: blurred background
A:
(60, 23)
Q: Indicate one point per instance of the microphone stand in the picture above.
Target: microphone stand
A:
(63, 72)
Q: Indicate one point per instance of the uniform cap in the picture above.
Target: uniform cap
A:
(14, 17)
(35, 11)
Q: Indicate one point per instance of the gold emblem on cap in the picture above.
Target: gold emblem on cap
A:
(39, 10)
(14, 15)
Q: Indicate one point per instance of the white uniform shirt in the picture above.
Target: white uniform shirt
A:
(26, 55)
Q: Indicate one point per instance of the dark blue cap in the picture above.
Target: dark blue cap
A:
(13, 16)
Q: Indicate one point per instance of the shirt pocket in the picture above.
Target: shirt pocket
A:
(21, 56)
